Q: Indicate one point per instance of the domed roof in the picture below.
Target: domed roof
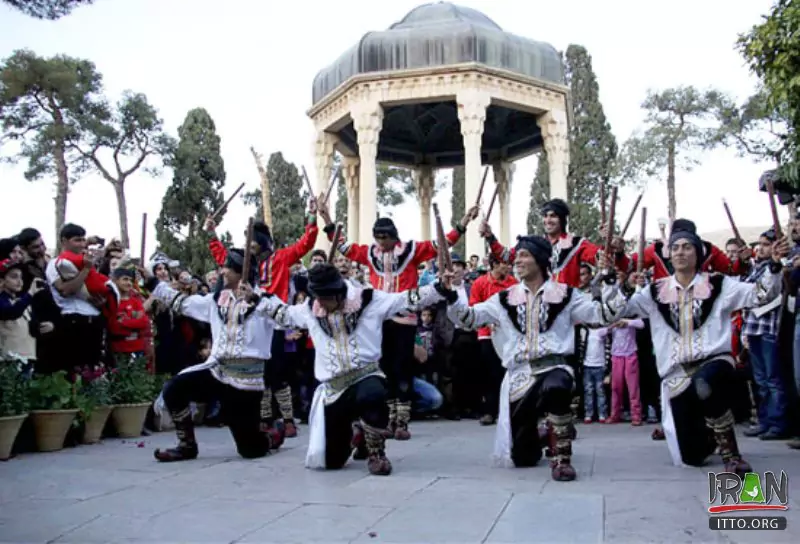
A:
(441, 34)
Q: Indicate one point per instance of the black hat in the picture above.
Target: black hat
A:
(684, 229)
(262, 236)
(7, 245)
(558, 207)
(769, 234)
(385, 226)
(235, 261)
(324, 280)
(123, 272)
(541, 249)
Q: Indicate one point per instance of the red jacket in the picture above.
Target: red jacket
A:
(273, 274)
(581, 251)
(129, 334)
(716, 261)
(483, 289)
(404, 262)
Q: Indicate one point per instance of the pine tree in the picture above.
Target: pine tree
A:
(458, 207)
(592, 149)
(196, 192)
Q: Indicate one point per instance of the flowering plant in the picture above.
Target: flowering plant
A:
(131, 383)
(14, 385)
(95, 384)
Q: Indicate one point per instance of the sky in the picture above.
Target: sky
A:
(251, 63)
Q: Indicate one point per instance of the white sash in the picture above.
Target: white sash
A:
(315, 456)
(502, 438)
(668, 425)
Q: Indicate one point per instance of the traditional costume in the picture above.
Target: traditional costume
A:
(691, 329)
(395, 271)
(535, 334)
(352, 385)
(274, 273)
(241, 333)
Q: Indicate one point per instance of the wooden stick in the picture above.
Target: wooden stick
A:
(630, 217)
(731, 221)
(332, 184)
(144, 238)
(610, 226)
(225, 205)
(774, 208)
(642, 230)
(443, 258)
(602, 203)
(247, 254)
(480, 189)
(334, 244)
(308, 183)
(491, 202)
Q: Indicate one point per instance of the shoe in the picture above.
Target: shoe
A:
(602, 420)
(754, 431)
(658, 434)
(379, 465)
(179, 453)
(612, 420)
(794, 443)
(488, 420)
(636, 423)
(359, 443)
(402, 433)
(291, 429)
(739, 466)
(587, 421)
(773, 435)
(562, 472)
(275, 434)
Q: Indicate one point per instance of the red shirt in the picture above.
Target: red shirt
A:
(129, 334)
(716, 261)
(483, 289)
(273, 274)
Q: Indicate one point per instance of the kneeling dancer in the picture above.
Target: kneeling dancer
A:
(534, 329)
(241, 333)
(345, 323)
(690, 319)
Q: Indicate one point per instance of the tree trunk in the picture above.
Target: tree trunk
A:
(62, 179)
(671, 202)
(119, 190)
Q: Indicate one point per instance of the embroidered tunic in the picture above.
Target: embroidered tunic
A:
(241, 333)
(716, 261)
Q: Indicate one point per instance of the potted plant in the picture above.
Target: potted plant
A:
(96, 389)
(55, 402)
(132, 392)
(13, 401)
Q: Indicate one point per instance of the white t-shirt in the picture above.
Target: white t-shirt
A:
(69, 305)
(595, 349)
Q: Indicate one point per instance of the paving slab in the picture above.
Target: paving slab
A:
(443, 489)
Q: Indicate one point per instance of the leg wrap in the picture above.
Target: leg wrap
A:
(724, 435)
(377, 463)
(187, 445)
(561, 439)
(392, 404)
(284, 398)
(403, 417)
(266, 406)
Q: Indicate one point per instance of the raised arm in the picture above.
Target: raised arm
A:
(285, 315)
(358, 253)
(738, 295)
(195, 306)
(298, 250)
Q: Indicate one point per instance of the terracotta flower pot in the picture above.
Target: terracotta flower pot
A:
(95, 423)
(51, 427)
(129, 419)
(9, 428)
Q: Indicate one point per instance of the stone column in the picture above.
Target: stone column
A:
(472, 105)
(555, 134)
(423, 183)
(368, 121)
(323, 166)
(350, 173)
(503, 174)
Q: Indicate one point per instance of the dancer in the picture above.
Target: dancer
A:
(690, 314)
(345, 323)
(534, 323)
(241, 333)
(274, 272)
(393, 268)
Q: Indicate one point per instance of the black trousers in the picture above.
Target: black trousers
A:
(714, 380)
(80, 342)
(277, 370)
(365, 400)
(491, 377)
(397, 359)
(465, 358)
(550, 394)
(240, 410)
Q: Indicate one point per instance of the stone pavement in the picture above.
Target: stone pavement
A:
(443, 490)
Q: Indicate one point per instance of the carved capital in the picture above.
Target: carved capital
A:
(555, 132)
(424, 177)
(472, 105)
(350, 171)
(503, 175)
(368, 122)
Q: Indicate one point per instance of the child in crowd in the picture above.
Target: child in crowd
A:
(15, 335)
(70, 264)
(625, 369)
(129, 329)
(594, 370)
